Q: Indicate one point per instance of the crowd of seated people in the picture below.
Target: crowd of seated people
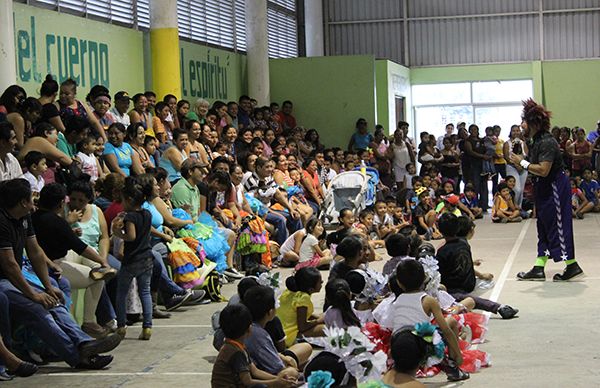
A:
(128, 198)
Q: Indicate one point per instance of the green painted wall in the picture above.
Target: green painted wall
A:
(329, 93)
(393, 80)
(211, 73)
(444, 74)
(73, 47)
(571, 92)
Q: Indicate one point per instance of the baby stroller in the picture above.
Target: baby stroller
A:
(348, 189)
(371, 195)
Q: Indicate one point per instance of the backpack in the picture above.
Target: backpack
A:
(212, 286)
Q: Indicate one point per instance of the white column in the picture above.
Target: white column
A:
(313, 28)
(257, 46)
(8, 54)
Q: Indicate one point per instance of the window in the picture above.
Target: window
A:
(482, 103)
(219, 23)
(122, 12)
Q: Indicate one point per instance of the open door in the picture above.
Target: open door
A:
(400, 109)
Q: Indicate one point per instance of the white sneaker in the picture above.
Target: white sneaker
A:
(232, 273)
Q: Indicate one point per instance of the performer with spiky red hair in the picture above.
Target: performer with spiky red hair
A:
(552, 196)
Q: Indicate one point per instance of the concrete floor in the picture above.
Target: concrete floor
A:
(553, 343)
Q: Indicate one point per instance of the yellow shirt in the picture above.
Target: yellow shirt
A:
(500, 152)
(287, 312)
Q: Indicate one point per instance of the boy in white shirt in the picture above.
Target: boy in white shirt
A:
(36, 167)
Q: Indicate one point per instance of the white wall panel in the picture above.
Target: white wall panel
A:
(570, 4)
(475, 40)
(572, 35)
(429, 8)
(383, 40)
(446, 32)
(352, 10)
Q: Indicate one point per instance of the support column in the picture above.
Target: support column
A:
(313, 27)
(257, 46)
(8, 54)
(164, 48)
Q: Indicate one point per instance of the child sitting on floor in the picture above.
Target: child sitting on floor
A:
(409, 352)
(469, 199)
(366, 228)
(296, 310)
(578, 200)
(382, 221)
(504, 209)
(233, 367)
(260, 300)
(339, 299)
(311, 254)
(346, 220)
(290, 250)
(397, 246)
(456, 265)
(423, 215)
(410, 306)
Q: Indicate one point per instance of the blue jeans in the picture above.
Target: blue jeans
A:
(4, 324)
(141, 270)
(282, 221)
(105, 311)
(55, 326)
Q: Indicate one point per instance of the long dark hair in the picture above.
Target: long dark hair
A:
(338, 295)
(303, 280)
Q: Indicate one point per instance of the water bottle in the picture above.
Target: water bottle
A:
(363, 167)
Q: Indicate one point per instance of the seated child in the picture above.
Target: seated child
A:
(423, 215)
(449, 204)
(410, 305)
(346, 219)
(351, 256)
(456, 265)
(273, 327)
(36, 167)
(296, 310)
(504, 209)
(89, 163)
(233, 367)
(311, 254)
(409, 352)
(511, 182)
(591, 189)
(578, 200)
(260, 300)
(340, 312)
(366, 228)
(397, 246)
(469, 199)
(290, 249)
(382, 221)
(296, 196)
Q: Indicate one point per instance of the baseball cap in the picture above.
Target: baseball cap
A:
(122, 95)
(452, 199)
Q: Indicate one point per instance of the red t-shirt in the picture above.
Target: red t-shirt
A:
(112, 212)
